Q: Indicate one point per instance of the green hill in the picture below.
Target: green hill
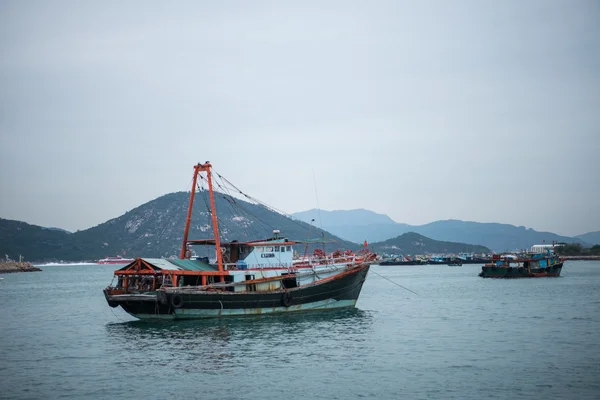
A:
(31, 241)
(412, 243)
(155, 229)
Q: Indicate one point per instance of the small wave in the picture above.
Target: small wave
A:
(63, 264)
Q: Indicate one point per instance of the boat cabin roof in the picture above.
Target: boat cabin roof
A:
(171, 264)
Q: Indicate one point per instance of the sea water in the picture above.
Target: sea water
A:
(458, 337)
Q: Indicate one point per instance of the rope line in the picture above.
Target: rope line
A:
(397, 284)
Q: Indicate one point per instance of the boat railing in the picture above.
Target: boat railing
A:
(318, 274)
(345, 259)
(307, 262)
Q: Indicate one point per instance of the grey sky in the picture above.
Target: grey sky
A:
(476, 110)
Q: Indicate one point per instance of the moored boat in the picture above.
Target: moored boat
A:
(115, 260)
(252, 277)
(522, 266)
(454, 262)
(437, 260)
(470, 258)
(397, 260)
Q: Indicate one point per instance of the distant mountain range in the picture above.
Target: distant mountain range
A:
(412, 243)
(359, 225)
(590, 237)
(155, 229)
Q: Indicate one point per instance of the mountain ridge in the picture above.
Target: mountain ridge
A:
(496, 236)
(359, 216)
(412, 243)
(590, 237)
(155, 229)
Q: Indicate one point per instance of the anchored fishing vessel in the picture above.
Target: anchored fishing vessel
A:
(252, 277)
(522, 266)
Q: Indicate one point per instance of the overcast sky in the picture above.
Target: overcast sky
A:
(478, 110)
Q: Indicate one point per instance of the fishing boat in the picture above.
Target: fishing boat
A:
(437, 260)
(454, 262)
(522, 266)
(470, 258)
(115, 260)
(397, 260)
(245, 278)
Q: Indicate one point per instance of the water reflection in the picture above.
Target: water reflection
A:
(213, 345)
(223, 329)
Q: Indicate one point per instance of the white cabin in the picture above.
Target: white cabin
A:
(541, 248)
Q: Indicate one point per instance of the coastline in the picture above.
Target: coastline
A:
(8, 267)
(580, 258)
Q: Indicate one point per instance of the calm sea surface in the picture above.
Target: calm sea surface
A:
(461, 337)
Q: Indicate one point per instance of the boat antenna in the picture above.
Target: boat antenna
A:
(308, 239)
(319, 212)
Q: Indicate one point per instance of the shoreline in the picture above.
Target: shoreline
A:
(8, 267)
(580, 258)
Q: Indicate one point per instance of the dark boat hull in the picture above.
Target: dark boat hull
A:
(333, 293)
(520, 272)
(398, 263)
(476, 261)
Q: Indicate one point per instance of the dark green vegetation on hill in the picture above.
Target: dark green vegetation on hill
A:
(378, 227)
(412, 243)
(575, 249)
(31, 241)
(155, 229)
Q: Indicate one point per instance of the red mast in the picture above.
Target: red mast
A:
(203, 168)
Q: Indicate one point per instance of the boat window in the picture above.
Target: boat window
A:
(268, 249)
(276, 248)
(259, 249)
(283, 249)
(250, 287)
(289, 248)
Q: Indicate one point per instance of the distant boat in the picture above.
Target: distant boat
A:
(522, 266)
(437, 260)
(469, 258)
(248, 278)
(115, 260)
(454, 262)
(393, 260)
